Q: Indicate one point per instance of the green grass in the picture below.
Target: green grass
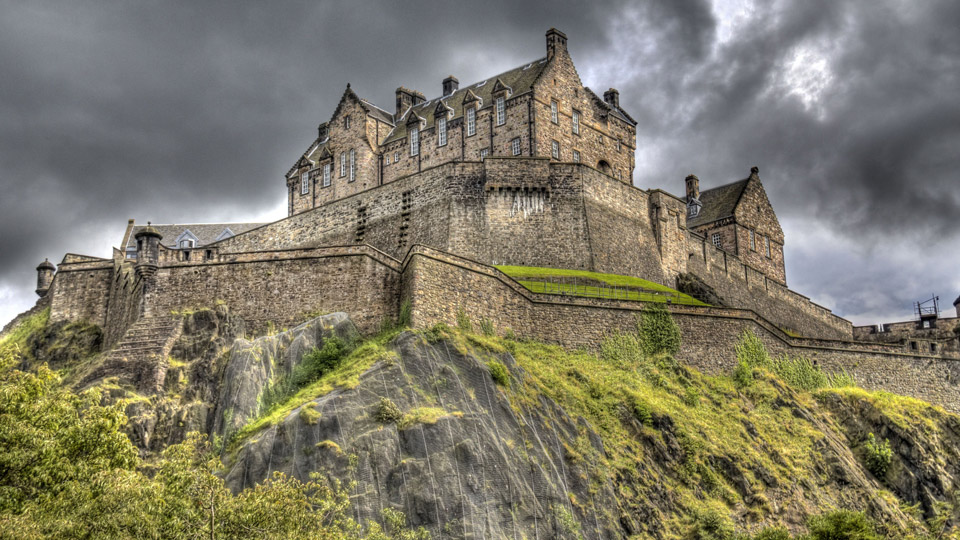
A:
(15, 342)
(527, 275)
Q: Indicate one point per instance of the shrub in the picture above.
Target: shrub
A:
(499, 373)
(841, 525)
(405, 315)
(463, 321)
(658, 332)
(691, 396)
(621, 349)
(387, 412)
(486, 326)
(751, 350)
(315, 364)
(642, 412)
(772, 533)
(878, 456)
(711, 524)
(509, 334)
(437, 332)
(742, 374)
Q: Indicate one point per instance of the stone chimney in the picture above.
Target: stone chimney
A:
(693, 187)
(148, 250)
(612, 97)
(450, 85)
(323, 131)
(407, 98)
(45, 276)
(556, 42)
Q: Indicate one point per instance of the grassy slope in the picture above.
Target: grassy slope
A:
(529, 272)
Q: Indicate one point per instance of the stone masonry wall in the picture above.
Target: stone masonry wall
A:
(80, 290)
(438, 285)
(124, 302)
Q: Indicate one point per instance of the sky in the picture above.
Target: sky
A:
(191, 112)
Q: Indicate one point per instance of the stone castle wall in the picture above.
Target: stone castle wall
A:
(80, 290)
(439, 285)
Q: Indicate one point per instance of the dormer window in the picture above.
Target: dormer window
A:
(501, 112)
(693, 208)
(414, 141)
(305, 183)
(471, 121)
(441, 131)
(346, 122)
(554, 112)
(576, 122)
(187, 243)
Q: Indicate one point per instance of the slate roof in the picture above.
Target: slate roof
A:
(718, 203)
(520, 79)
(206, 233)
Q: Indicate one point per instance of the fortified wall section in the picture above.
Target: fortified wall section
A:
(438, 285)
(746, 287)
(80, 289)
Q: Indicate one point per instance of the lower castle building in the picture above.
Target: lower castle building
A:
(429, 228)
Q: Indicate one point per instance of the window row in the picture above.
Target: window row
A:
(766, 243)
(347, 165)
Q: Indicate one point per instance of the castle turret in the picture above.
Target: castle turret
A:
(450, 85)
(693, 196)
(148, 250)
(45, 276)
(556, 42)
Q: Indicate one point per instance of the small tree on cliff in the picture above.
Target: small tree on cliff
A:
(658, 332)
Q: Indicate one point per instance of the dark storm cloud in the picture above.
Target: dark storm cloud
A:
(193, 111)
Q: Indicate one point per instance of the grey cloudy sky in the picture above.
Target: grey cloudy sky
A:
(192, 111)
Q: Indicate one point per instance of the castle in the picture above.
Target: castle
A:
(419, 206)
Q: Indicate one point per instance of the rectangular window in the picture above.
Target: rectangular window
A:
(753, 240)
(515, 146)
(555, 150)
(501, 115)
(619, 142)
(766, 246)
(414, 141)
(471, 121)
(396, 157)
(576, 122)
(326, 175)
(346, 122)
(483, 153)
(576, 156)
(343, 164)
(304, 183)
(441, 131)
(716, 240)
(353, 166)
(554, 112)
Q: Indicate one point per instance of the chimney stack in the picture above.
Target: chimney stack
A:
(450, 85)
(556, 42)
(693, 187)
(612, 97)
(322, 131)
(407, 98)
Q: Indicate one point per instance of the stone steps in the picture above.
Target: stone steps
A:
(140, 357)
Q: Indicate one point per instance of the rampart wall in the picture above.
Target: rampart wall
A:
(440, 284)
(124, 302)
(80, 289)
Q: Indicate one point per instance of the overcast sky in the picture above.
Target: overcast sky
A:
(193, 111)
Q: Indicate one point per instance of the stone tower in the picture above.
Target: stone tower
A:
(45, 276)
(148, 250)
(693, 195)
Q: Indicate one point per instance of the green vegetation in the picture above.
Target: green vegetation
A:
(314, 365)
(387, 412)
(67, 470)
(798, 372)
(529, 277)
(14, 344)
(463, 321)
(424, 415)
(877, 456)
(658, 333)
(499, 373)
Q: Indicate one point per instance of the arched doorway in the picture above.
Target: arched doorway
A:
(604, 167)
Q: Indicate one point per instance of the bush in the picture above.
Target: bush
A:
(499, 372)
(642, 412)
(752, 351)
(658, 332)
(387, 412)
(463, 321)
(711, 524)
(315, 364)
(486, 326)
(772, 533)
(841, 525)
(878, 456)
(621, 349)
(691, 396)
(742, 374)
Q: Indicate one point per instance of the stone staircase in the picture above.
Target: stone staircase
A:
(140, 357)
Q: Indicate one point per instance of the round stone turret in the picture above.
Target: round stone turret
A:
(148, 250)
(45, 276)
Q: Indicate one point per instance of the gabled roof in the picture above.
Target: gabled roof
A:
(519, 79)
(377, 112)
(205, 233)
(718, 203)
(617, 111)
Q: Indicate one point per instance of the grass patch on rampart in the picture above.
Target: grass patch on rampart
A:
(528, 276)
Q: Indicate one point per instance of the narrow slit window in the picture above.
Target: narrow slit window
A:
(343, 164)
(554, 112)
(353, 165)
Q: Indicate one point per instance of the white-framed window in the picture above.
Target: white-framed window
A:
(766, 245)
(554, 112)
(305, 183)
(471, 121)
(353, 165)
(717, 241)
(188, 242)
(414, 141)
(346, 122)
(343, 164)
(484, 152)
(501, 112)
(576, 156)
(442, 131)
(515, 146)
(555, 149)
(753, 240)
(326, 175)
(576, 121)
(396, 156)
